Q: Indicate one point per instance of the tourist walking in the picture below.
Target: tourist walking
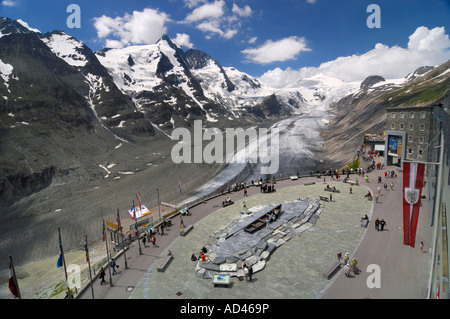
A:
(181, 221)
(144, 240)
(246, 273)
(113, 266)
(376, 197)
(101, 275)
(377, 224)
(153, 240)
(382, 224)
(250, 273)
(346, 258)
(421, 246)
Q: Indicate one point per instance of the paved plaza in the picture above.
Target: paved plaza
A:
(294, 270)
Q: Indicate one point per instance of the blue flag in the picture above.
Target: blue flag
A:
(59, 264)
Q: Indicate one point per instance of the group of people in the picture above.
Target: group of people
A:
(267, 188)
(227, 202)
(201, 256)
(272, 216)
(379, 224)
(390, 174)
(349, 264)
(248, 272)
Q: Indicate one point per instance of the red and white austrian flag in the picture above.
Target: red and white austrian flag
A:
(412, 191)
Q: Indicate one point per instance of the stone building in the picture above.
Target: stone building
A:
(409, 132)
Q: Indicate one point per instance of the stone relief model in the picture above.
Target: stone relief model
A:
(253, 235)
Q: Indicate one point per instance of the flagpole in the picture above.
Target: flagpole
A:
(159, 205)
(89, 265)
(437, 210)
(15, 278)
(107, 253)
(123, 242)
(135, 226)
(64, 264)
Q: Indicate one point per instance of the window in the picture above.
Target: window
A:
(422, 114)
(422, 127)
(393, 115)
(393, 126)
(402, 126)
(421, 140)
(410, 139)
(411, 115)
(410, 151)
(411, 126)
(420, 152)
(402, 115)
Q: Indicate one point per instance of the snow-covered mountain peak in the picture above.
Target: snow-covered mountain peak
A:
(66, 47)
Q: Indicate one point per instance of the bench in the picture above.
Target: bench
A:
(310, 183)
(352, 182)
(332, 190)
(163, 265)
(324, 198)
(293, 178)
(331, 270)
(225, 204)
(186, 230)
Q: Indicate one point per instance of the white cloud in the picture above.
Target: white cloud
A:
(207, 11)
(424, 39)
(279, 51)
(183, 40)
(212, 26)
(245, 12)
(230, 33)
(215, 18)
(194, 3)
(9, 3)
(252, 40)
(141, 27)
(425, 47)
(311, 1)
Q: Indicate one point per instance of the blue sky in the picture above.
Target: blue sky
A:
(255, 36)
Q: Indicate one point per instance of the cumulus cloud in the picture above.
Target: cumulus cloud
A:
(183, 40)
(207, 11)
(215, 18)
(425, 47)
(141, 27)
(278, 51)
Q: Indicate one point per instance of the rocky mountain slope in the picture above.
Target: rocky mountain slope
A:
(57, 102)
(364, 110)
